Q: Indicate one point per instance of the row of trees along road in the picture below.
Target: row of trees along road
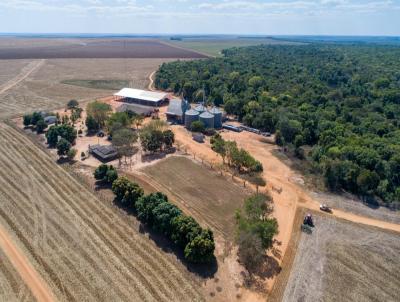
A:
(157, 212)
(335, 106)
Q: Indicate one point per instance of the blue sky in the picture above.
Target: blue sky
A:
(271, 17)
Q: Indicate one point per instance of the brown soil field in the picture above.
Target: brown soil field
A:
(42, 88)
(12, 288)
(85, 248)
(344, 261)
(92, 48)
(204, 193)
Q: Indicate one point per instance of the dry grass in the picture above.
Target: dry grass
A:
(44, 90)
(343, 261)
(12, 288)
(209, 197)
(84, 248)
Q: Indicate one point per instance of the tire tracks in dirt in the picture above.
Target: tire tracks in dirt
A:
(26, 72)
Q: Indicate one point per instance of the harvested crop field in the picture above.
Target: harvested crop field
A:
(343, 261)
(209, 197)
(92, 48)
(39, 84)
(84, 248)
(12, 288)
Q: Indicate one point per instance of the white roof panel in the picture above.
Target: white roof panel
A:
(141, 94)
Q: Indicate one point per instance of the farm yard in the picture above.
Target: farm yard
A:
(343, 261)
(54, 82)
(84, 248)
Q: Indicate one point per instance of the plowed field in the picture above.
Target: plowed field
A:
(84, 248)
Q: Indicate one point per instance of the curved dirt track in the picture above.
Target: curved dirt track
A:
(29, 275)
(83, 247)
(26, 72)
(151, 81)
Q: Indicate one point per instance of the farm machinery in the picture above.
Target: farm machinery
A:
(308, 224)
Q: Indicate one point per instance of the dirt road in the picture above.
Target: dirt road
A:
(27, 272)
(151, 81)
(26, 72)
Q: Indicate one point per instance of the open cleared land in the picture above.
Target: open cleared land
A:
(99, 84)
(214, 47)
(43, 88)
(12, 288)
(342, 261)
(205, 194)
(95, 48)
(84, 248)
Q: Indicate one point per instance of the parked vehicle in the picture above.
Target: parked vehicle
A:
(325, 208)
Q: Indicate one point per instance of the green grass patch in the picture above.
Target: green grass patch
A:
(98, 84)
(213, 47)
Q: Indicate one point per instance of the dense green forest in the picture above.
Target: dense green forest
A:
(342, 101)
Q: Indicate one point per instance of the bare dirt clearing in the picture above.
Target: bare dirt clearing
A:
(84, 248)
(43, 88)
(93, 48)
(342, 261)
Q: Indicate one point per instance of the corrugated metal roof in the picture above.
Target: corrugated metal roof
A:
(177, 107)
(150, 96)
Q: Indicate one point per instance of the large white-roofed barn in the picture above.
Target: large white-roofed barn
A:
(141, 97)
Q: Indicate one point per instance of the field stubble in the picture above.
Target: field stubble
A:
(81, 246)
(343, 261)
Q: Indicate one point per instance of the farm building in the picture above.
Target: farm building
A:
(176, 110)
(190, 117)
(141, 97)
(135, 108)
(217, 117)
(50, 120)
(207, 119)
(104, 153)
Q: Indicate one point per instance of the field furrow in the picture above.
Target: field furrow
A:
(147, 271)
(83, 247)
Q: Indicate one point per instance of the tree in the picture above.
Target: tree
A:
(184, 230)
(119, 187)
(251, 252)
(168, 138)
(163, 214)
(197, 126)
(367, 181)
(72, 104)
(201, 248)
(146, 204)
(122, 119)
(151, 140)
(40, 126)
(111, 176)
(101, 172)
(99, 111)
(132, 194)
(36, 116)
(123, 140)
(27, 120)
(71, 154)
(63, 147)
(218, 146)
(91, 124)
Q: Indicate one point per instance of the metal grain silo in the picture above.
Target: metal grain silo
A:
(191, 116)
(200, 108)
(208, 119)
(217, 117)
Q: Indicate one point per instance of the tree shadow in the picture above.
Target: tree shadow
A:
(153, 156)
(255, 277)
(204, 271)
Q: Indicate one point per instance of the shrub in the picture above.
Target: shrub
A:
(36, 116)
(168, 138)
(197, 126)
(100, 172)
(120, 186)
(64, 131)
(132, 194)
(111, 176)
(91, 124)
(72, 104)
